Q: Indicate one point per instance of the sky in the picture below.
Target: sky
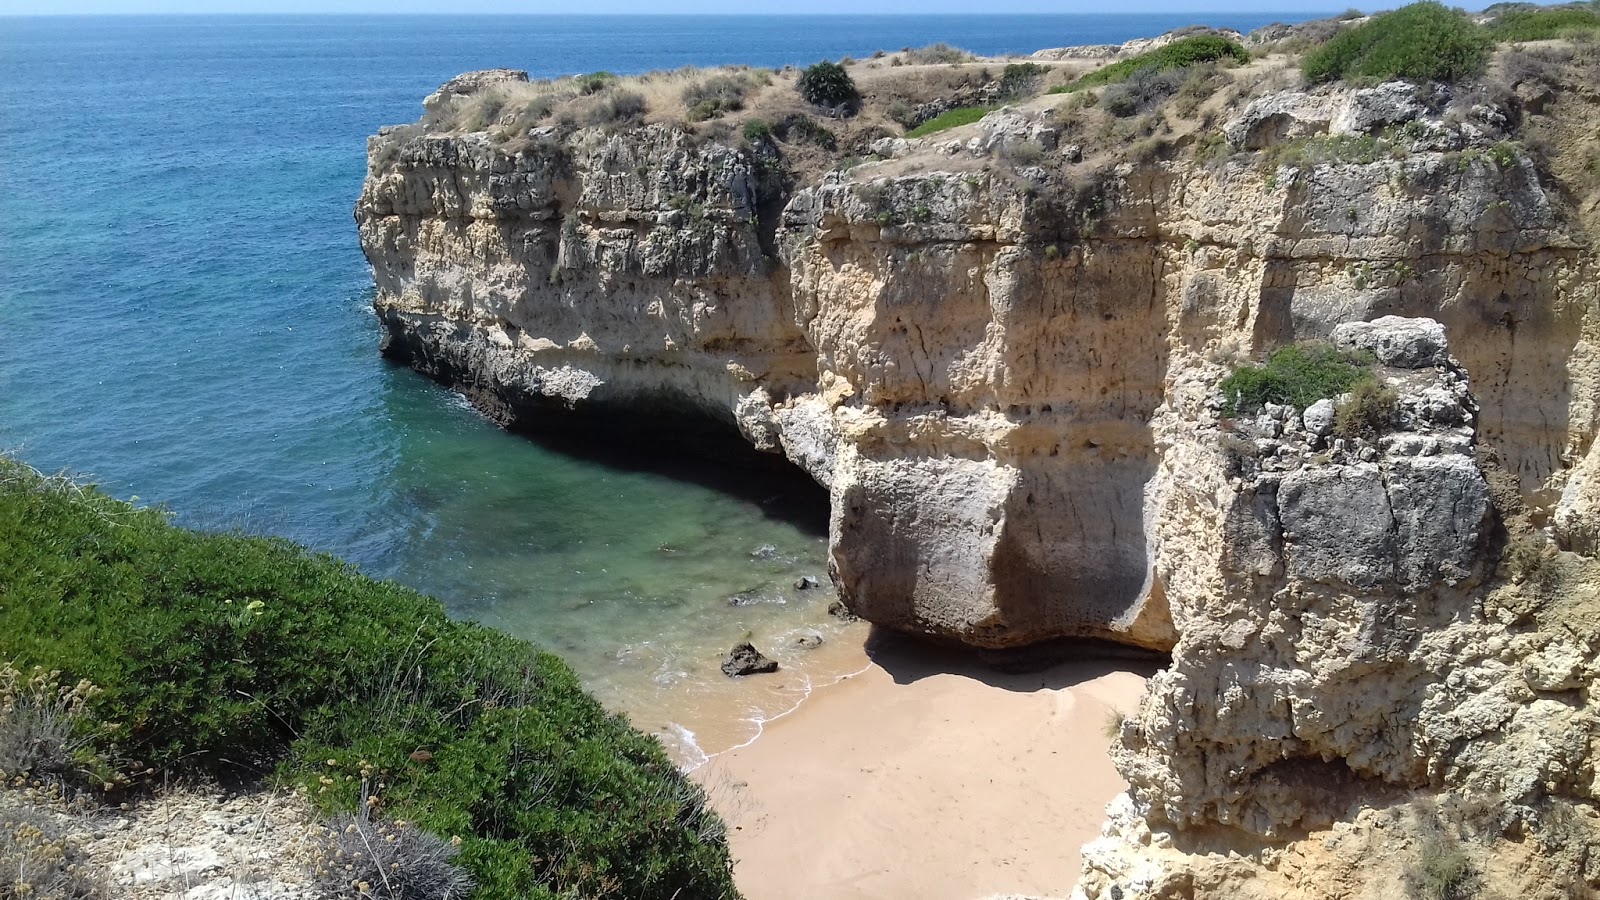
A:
(921, 7)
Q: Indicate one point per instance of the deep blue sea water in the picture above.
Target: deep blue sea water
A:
(184, 316)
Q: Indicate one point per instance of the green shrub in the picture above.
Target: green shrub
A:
(1423, 42)
(1367, 412)
(965, 115)
(594, 82)
(757, 131)
(1021, 80)
(242, 656)
(828, 85)
(1297, 375)
(1543, 24)
(937, 54)
(1176, 55)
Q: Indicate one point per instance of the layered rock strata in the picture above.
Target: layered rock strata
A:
(989, 371)
(1000, 354)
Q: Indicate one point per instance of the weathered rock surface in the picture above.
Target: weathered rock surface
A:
(990, 382)
(1007, 383)
(745, 659)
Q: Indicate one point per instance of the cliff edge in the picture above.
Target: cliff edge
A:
(1004, 349)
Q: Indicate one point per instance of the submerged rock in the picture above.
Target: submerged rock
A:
(745, 659)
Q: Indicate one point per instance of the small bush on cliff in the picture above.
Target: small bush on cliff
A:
(829, 86)
(716, 95)
(1176, 55)
(1021, 80)
(1367, 412)
(241, 656)
(1298, 376)
(1142, 91)
(1423, 42)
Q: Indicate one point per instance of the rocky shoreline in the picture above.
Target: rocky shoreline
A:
(1000, 348)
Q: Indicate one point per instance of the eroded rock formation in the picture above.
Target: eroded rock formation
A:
(1000, 354)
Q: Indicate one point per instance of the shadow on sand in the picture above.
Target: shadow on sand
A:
(1052, 665)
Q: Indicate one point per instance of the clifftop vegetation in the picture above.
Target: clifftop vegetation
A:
(245, 658)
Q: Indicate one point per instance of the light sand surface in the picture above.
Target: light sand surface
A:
(927, 776)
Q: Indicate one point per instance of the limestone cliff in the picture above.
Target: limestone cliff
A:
(1000, 348)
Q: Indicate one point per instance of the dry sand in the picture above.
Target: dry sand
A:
(926, 775)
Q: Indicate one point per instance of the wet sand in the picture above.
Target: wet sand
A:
(926, 775)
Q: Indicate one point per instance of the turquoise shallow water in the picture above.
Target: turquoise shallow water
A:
(184, 316)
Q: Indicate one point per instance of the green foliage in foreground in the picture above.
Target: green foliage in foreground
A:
(1544, 24)
(965, 115)
(238, 656)
(1297, 375)
(1423, 42)
(1176, 55)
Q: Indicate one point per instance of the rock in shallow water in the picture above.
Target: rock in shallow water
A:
(745, 659)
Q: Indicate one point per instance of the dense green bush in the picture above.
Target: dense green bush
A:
(1544, 24)
(1424, 42)
(828, 85)
(1176, 55)
(243, 656)
(965, 115)
(756, 131)
(1297, 375)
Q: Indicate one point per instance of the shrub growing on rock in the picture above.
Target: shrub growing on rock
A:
(829, 86)
(1367, 412)
(1297, 376)
(1425, 41)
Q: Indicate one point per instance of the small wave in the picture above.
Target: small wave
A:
(761, 721)
(688, 746)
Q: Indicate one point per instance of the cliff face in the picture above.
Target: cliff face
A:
(992, 375)
(1006, 376)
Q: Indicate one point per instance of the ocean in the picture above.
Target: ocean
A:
(185, 319)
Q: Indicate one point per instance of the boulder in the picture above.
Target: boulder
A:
(1367, 110)
(1397, 341)
(745, 659)
(1319, 416)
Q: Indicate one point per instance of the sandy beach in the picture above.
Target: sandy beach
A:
(926, 775)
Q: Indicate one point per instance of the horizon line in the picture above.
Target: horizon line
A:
(725, 15)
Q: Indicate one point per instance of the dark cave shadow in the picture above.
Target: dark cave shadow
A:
(1052, 665)
(666, 439)
(766, 481)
